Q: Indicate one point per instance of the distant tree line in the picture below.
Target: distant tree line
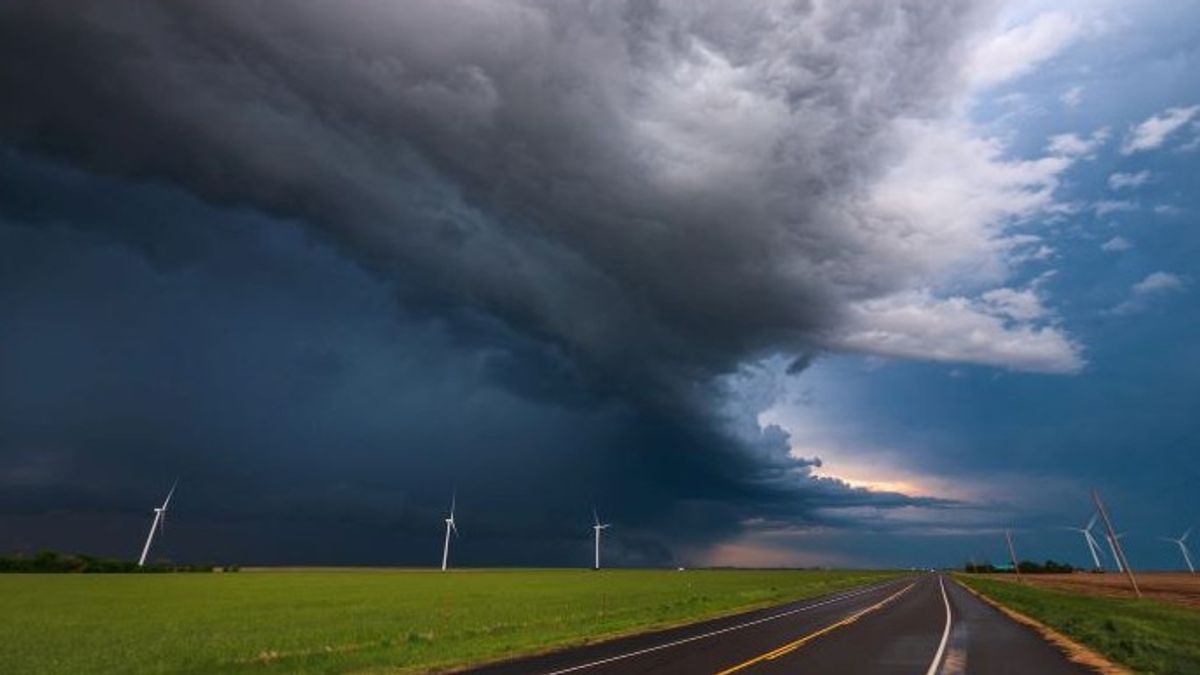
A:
(1026, 566)
(77, 563)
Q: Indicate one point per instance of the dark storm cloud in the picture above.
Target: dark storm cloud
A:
(559, 166)
(587, 213)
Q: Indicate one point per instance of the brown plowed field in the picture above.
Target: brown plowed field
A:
(1182, 589)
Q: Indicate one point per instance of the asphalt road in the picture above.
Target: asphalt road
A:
(909, 626)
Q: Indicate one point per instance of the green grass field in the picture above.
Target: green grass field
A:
(1148, 636)
(316, 621)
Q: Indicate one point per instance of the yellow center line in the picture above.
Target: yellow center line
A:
(796, 644)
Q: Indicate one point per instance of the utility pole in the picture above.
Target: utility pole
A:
(1012, 553)
(1122, 561)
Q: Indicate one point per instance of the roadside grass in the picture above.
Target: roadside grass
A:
(1148, 636)
(346, 620)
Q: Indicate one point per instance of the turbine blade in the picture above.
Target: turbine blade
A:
(1092, 522)
(170, 494)
(1185, 535)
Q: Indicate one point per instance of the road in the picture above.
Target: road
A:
(922, 625)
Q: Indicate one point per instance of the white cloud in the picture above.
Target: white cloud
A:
(1153, 132)
(1107, 206)
(1158, 282)
(1074, 145)
(1167, 210)
(1018, 50)
(1000, 329)
(1040, 253)
(1155, 284)
(1072, 97)
(942, 215)
(1024, 305)
(1042, 279)
(1118, 180)
(943, 211)
(1116, 244)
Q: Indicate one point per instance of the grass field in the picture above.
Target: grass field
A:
(1149, 636)
(315, 621)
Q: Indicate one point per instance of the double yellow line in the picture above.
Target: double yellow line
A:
(796, 644)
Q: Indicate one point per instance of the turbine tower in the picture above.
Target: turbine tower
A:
(1187, 558)
(1012, 554)
(449, 527)
(159, 524)
(597, 528)
(1112, 547)
(1122, 561)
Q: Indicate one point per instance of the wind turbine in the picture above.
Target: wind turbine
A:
(1183, 549)
(159, 524)
(449, 527)
(597, 528)
(1093, 547)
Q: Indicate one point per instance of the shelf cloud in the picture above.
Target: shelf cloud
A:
(610, 206)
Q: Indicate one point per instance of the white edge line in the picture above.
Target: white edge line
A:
(937, 658)
(727, 629)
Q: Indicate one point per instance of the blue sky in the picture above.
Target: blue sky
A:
(1028, 447)
(770, 285)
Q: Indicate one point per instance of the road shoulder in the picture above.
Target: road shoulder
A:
(1076, 652)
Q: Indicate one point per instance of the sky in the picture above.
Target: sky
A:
(783, 284)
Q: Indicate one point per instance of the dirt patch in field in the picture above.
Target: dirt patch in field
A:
(1180, 589)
